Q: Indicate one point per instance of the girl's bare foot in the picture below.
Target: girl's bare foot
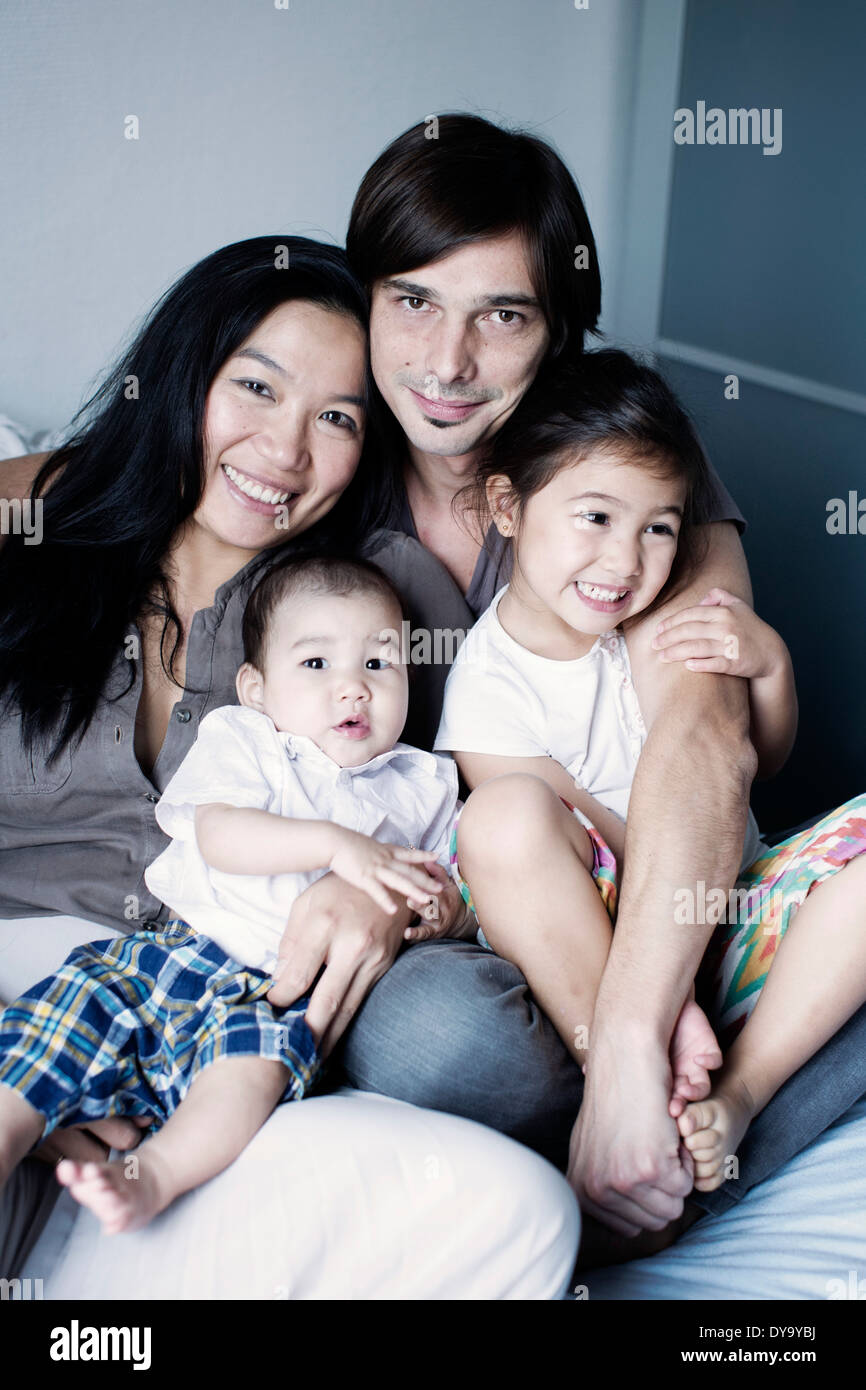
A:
(712, 1131)
(694, 1052)
(125, 1194)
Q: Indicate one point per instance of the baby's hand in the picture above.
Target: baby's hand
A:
(446, 915)
(722, 634)
(375, 868)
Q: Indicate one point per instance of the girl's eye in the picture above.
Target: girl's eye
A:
(315, 663)
(339, 418)
(659, 528)
(597, 518)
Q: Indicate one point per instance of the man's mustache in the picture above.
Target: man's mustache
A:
(431, 387)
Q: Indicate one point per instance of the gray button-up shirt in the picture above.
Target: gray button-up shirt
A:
(76, 837)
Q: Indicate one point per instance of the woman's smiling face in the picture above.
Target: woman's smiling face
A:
(283, 426)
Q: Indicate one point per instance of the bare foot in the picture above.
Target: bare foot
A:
(124, 1198)
(712, 1131)
(694, 1052)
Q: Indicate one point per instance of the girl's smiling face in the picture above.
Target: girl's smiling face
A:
(593, 547)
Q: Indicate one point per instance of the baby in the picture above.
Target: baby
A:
(303, 777)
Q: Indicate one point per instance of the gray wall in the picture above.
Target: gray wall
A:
(765, 277)
(254, 119)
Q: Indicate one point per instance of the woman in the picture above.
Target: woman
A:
(233, 427)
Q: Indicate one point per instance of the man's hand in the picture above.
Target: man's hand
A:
(334, 925)
(626, 1162)
(91, 1143)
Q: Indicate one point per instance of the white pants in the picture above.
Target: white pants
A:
(347, 1196)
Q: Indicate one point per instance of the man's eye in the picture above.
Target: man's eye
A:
(413, 301)
(339, 418)
(315, 663)
(510, 316)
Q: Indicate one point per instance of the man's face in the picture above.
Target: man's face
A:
(454, 345)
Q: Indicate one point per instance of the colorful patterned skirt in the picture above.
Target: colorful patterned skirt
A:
(763, 902)
(125, 1026)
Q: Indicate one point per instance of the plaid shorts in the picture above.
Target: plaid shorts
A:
(603, 871)
(125, 1026)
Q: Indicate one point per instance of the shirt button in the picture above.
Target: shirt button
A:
(183, 716)
(151, 796)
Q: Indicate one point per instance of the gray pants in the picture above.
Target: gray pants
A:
(453, 1027)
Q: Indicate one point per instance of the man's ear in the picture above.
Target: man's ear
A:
(502, 503)
(250, 686)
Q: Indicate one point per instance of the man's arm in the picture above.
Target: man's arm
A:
(686, 824)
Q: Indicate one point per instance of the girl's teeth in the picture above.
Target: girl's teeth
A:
(601, 595)
(253, 489)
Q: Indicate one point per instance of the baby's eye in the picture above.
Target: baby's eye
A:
(377, 663)
(315, 663)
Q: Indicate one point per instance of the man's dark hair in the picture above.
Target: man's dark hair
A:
(423, 198)
(310, 574)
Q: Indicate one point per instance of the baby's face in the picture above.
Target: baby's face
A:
(333, 673)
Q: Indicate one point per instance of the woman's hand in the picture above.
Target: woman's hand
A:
(336, 926)
(374, 867)
(722, 635)
(91, 1143)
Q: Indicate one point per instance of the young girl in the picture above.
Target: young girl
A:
(600, 481)
(303, 776)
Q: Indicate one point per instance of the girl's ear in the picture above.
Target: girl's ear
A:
(249, 686)
(501, 500)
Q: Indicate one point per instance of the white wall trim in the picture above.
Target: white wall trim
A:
(802, 386)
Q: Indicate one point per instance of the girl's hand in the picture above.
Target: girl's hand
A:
(374, 867)
(722, 635)
(446, 915)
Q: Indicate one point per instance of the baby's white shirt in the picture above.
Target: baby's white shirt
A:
(404, 796)
(504, 700)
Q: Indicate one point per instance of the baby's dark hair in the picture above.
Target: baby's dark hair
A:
(605, 399)
(308, 574)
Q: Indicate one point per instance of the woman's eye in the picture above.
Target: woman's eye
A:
(257, 388)
(597, 518)
(315, 663)
(340, 419)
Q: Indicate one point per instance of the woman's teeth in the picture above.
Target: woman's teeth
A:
(601, 595)
(254, 489)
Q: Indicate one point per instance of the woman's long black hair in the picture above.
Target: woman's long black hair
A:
(133, 472)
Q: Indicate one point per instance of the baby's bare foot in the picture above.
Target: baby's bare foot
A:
(124, 1197)
(694, 1052)
(712, 1131)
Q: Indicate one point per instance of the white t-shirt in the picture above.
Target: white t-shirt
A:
(502, 699)
(404, 796)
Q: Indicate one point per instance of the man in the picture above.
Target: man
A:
(481, 268)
